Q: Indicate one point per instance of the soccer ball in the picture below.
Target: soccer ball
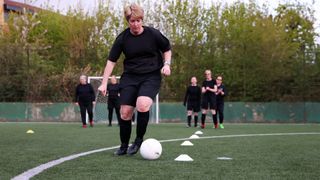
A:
(151, 149)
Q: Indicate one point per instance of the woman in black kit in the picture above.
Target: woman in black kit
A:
(209, 89)
(221, 93)
(85, 98)
(113, 91)
(192, 100)
(147, 55)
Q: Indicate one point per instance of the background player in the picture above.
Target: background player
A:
(192, 99)
(209, 88)
(113, 91)
(85, 98)
(221, 93)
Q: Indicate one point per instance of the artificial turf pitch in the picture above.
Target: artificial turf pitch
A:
(253, 157)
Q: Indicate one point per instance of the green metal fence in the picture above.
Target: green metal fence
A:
(235, 112)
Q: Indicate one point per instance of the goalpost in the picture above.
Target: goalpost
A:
(100, 109)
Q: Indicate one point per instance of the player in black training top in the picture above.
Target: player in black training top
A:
(209, 89)
(147, 54)
(113, 91)
(85, 98)
(192, 99)
(221, 93)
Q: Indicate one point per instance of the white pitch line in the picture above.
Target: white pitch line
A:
(37, 170)
(244, 135)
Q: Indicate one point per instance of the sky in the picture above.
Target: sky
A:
(90, 5)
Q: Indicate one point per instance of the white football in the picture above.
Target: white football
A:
(151, 149)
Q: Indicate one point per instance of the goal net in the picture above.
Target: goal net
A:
(100, 110)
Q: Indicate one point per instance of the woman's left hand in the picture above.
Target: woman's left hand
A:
(166, 70)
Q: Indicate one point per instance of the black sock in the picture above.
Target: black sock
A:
(203, 118)
(125, 131)
(215, 120)
(118, 114)
(189, 120)
(142, 123)
(195, 121)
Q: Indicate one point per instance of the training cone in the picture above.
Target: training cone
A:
(194, 137)
(183, 157)
(30, 131)
(198, 132)
(186, 143)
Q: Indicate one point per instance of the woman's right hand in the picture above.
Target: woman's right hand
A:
(103, 89)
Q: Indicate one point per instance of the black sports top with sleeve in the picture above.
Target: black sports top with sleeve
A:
(84, 94)
(113, 90)
(143, 52)
(193, 95)
(211, 85)
(220, 98)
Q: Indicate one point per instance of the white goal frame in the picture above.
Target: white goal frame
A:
(156, 101)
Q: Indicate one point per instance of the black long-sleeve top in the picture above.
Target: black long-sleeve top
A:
(193, 95)
(84, 94)
(220, 97)
(113, 90)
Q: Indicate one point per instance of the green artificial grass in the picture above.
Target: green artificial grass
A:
(256, 157)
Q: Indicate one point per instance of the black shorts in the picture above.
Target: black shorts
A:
(134, 85)
(209, 102)
(193, 106)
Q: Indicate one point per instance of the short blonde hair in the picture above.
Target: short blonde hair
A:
(207, 71)
(133, 10)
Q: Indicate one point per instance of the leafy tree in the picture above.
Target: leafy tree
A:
(262, 57)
